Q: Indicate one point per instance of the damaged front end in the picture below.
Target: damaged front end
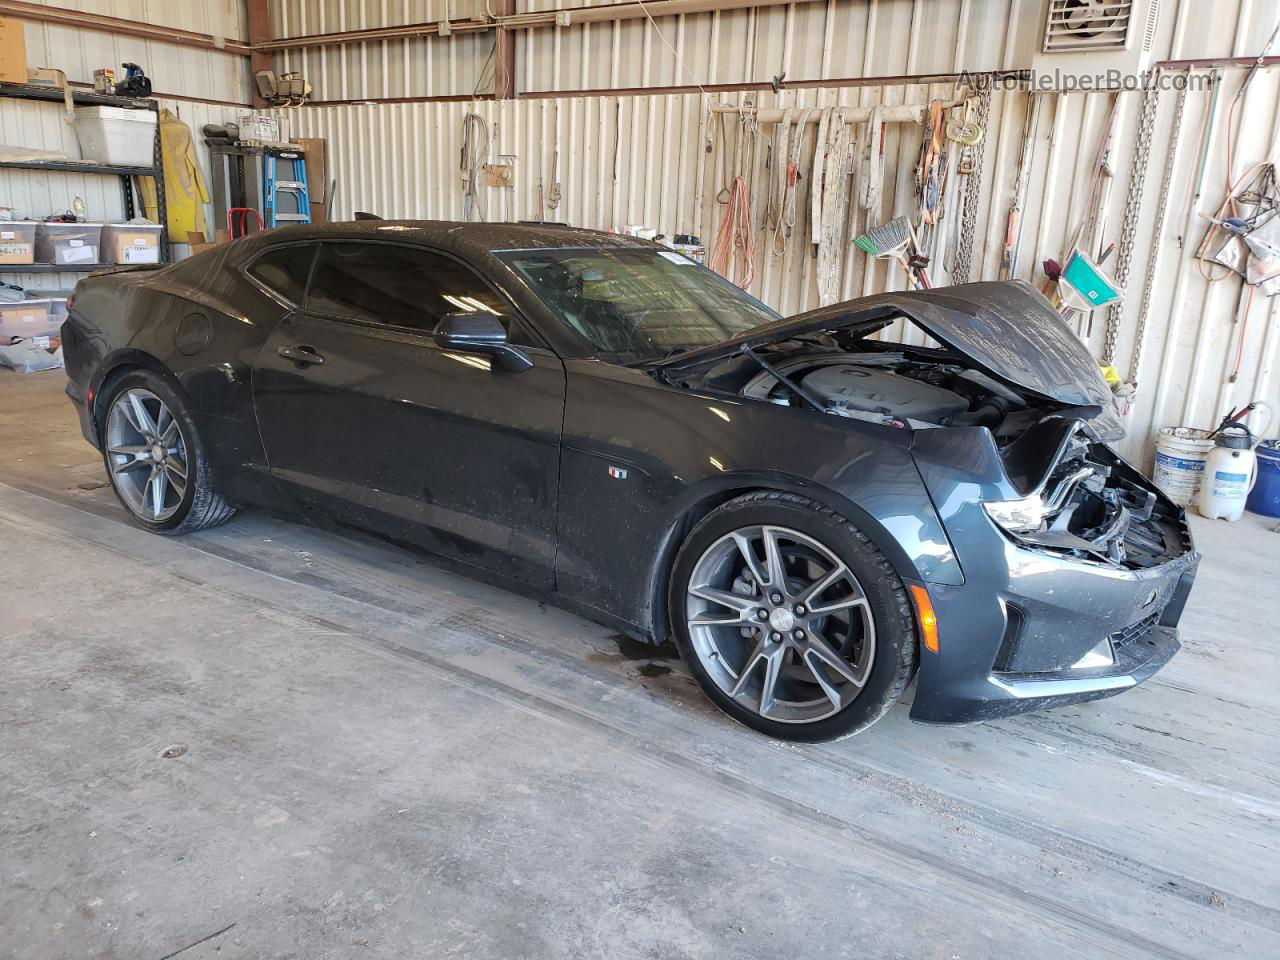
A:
(1084, 501)
(997, 356)
(1075, 568)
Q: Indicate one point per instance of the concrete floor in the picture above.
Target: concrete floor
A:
(382, 759)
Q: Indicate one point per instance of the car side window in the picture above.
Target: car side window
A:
(284, 270)
(399, 286)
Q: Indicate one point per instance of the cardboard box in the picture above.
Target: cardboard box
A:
(17, 241)
(199, 244)
(46, 77)
(127, 243)
(259, 126)
(26, 320)
(13, 51)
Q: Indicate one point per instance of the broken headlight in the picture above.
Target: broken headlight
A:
(1019, 516)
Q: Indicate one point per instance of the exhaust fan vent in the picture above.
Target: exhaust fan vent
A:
(1078, 25)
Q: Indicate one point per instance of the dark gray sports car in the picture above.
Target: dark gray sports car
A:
(814, 515)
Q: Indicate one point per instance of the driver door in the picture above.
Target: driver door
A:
(374, 426)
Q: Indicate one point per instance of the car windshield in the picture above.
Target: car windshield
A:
(638, 304)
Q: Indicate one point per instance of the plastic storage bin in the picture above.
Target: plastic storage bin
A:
(58, 307)
(131, 243)
(68, 242)
(116, 135)
(17, 241)
(26, 319)
(1264, 498)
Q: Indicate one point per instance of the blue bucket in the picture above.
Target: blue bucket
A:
(1265, 496)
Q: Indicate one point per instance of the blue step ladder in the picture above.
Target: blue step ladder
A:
(287, 199)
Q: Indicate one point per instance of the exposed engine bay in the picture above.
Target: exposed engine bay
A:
(888, 384)
(1080, 499)
(888, 388)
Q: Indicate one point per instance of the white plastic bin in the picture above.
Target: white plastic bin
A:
(131, 243)
(26, 319)
(116, 135)
(17, 241)
(68, 243)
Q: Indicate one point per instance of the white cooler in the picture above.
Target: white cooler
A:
(116, 135)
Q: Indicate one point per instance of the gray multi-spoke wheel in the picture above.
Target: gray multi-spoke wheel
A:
(790, 618)
(147, 454)
(780, 623)
(154, 456)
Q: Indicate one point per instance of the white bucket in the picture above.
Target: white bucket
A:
(1180, 456)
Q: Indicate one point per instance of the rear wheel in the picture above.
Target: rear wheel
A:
(791, 619)
(155, 459)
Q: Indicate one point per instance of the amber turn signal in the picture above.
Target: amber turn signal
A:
(927, 619)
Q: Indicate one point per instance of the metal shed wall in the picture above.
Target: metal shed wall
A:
(643, 160)
(180, 71)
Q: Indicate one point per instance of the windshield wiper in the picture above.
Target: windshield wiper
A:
(661, 358)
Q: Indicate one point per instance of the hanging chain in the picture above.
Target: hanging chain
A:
(1153, 261)
(972, 155)
(1132, 203)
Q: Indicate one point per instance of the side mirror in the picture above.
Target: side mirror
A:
(481, 333)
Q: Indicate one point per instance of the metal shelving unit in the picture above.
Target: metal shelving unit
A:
(125, 173)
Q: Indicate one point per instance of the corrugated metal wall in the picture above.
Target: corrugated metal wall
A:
(414, 67)
(805, 41)
(204, 75)
(643, 160)
(36, 194)
(178, 70)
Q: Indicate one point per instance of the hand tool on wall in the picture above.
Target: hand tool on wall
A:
(892, 241)
(1013, 226)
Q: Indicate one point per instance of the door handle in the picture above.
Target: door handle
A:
(301, 355)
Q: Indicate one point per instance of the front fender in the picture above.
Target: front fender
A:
(642, 461)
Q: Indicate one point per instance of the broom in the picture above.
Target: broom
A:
(890, 241)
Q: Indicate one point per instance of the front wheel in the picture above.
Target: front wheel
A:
(790, 618)
(155, 459)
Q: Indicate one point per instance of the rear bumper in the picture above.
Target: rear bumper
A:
(1034, 631)
(87, 427)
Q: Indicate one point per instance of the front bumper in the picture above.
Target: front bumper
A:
(1026, 627)
(1030, 630)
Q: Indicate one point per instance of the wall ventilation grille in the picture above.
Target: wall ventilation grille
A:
(1078, 25)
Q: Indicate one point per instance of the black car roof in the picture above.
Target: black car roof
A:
(458, 234)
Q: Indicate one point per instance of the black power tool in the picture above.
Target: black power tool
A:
(135, 82)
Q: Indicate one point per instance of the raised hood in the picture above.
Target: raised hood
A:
(1007, 329)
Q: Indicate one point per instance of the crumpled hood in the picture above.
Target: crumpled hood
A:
(1006, 328)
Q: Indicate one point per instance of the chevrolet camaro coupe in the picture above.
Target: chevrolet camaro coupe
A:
(814, 513)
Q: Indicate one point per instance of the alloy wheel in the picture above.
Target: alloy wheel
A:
(780, 624)
(147, 454)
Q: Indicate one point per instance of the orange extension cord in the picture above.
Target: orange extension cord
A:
(736, 236)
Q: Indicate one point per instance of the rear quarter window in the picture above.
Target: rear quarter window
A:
(284, 271)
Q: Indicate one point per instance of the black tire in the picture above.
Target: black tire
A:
(887, 601)
(200, 506)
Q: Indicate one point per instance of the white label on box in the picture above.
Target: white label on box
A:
(675, 258)
(14, 249)
(141, 254)
(42, 342)
(6, 234)
(141, 241)
(77, 254)
(75, 243)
